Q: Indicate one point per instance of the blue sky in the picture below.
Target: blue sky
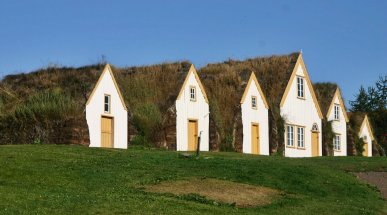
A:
(342, 41)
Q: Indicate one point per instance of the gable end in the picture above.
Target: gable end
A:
(338, 94)
(300, 61)
(366, 122)
(107, 69)
(254, 78)
(193, 70)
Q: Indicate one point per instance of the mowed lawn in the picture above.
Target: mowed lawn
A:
(52, 179)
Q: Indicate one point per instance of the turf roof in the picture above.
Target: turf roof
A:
(325, 93)
(356, 119)
(159, 84)
(273, 74)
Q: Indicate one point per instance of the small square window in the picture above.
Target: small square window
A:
(192, 93)
(107, 104)
(254, 102)
(300, 87)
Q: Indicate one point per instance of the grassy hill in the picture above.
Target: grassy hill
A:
(54, 179)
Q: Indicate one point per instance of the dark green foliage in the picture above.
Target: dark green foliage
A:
(45, 106)
(374, 102)
(147, 119)
(280, 123)
(140, 140)
(361, 103)
(359, 144)
(375, 98)
(381, 93)
(351, 138)
(227, 146)
(378, 119)
(327, 137)
(40, 119)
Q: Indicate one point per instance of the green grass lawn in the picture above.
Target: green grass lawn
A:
(51, 179)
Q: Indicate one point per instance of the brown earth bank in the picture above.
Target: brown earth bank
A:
(228, 192)
(379, 179)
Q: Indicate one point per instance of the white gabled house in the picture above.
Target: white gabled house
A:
(333, 108)
(366, 134)
(106, 113)
(302, 115)
(255, 119)
(192, 114)
(338, 115)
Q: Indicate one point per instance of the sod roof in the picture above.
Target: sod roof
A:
(273, 74)
(356, 120)
(158, 84)
(325, 93)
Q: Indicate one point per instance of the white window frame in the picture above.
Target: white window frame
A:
(300, 87)
(290, 136)
(192, 93)
(107, 104)
(336, 112)
(254, 104)
(337, 142)
(300, 137)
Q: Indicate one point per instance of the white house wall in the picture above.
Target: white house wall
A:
(339, 127)
(260, 116)
(186, 110)
(301, 112)
(365, 134)
(95, 109)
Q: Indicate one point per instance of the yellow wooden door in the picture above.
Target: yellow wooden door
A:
(107, 132)
(365, 152)
(255, 139)
(315, 148)
(192, 135)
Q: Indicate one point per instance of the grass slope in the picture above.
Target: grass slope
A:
(50, 179)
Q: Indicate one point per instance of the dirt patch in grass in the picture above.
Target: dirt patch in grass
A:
(379, 179)
(227, 192)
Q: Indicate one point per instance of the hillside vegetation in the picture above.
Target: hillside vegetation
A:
(47, 105)
(30, 115)
(225, 83)
(52, 179)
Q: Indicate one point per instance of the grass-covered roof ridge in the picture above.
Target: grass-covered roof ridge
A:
(148, 92)
(74, 82)
(159, 83)
(272, 72)
(325, 91)
(356, 120)
(226, 82)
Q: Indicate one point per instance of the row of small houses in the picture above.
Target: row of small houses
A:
(107, 116)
